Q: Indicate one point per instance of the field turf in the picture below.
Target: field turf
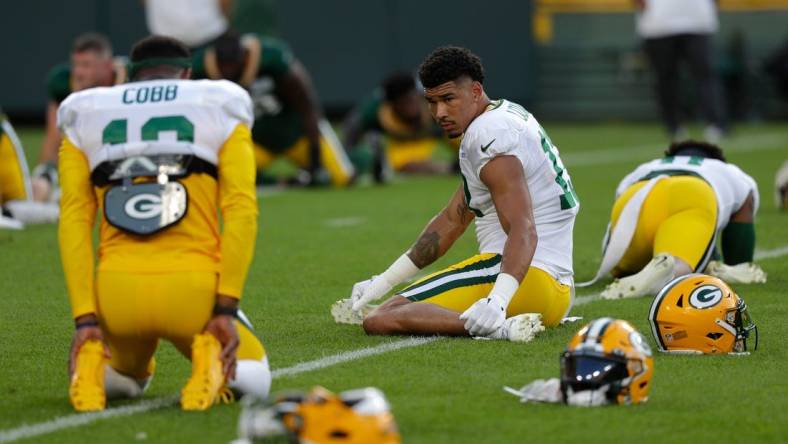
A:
(314, 244)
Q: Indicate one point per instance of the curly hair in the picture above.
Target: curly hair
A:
(448, 63)
(695, 148)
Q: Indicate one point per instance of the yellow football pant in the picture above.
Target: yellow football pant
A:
(461, 285)
(333, 159)
(678, 217)
(136, 310)
(12, 178)
(403, 152)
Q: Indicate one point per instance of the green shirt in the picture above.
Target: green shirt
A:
(277, 126)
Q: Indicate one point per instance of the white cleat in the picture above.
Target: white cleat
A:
(647, 281)
(342, 311)
(745, 273)
(520, 328)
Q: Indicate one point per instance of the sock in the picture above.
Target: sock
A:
(118, 386)
(252, 378)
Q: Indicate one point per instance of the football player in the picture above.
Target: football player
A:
(288, 118)
(91, 64)
(668, 215)
(142, 154)
(516, 188)
(396, 122)
(16, 204)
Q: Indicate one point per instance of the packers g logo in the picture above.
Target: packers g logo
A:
(705, 296)
(639, 343)
(143, 206)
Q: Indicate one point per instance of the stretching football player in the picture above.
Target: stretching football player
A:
(668, 215)
(17, 206)
(517, 189)
(396, 124)
(288, 118)
(91, 64)
(142, 153)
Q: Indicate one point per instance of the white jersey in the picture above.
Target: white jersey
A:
(507, 129)
(194, 22)
(731, 185)
(192, 117)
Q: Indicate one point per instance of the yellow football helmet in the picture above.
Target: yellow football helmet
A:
(607, 361)
(358, 416)
(698, 313)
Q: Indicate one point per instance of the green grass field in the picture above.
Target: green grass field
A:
(313, 245)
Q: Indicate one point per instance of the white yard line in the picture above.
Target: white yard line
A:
(342, 222)
(759, 255)
(76, 420)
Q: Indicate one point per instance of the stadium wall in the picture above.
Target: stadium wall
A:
(587, 67)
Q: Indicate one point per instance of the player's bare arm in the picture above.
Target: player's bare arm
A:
(298, 90)
(504, 177)
(442, 231)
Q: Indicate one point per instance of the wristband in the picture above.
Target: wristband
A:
(87, 324)
(401, 269)
(505, 287)
(225, 310)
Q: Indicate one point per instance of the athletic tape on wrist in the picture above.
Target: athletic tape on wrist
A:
(505, 287)
(400, 270)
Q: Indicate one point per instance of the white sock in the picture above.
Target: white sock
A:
(118, 386)
(30, 212)
(252, 378)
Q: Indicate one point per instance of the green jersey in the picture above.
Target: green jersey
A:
(277, 125)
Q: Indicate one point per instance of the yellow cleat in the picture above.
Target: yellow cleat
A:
(86, 390)
(207, 380)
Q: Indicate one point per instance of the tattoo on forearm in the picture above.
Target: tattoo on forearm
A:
(425, 251)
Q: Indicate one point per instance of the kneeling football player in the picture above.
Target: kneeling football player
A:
(668, 215)
(515, 186)
(142, 154)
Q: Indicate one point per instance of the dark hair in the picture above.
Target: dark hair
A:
(228, 48)
(157, 47)
(695, 148)
(92, 41)
(397, 85)
(449, 63)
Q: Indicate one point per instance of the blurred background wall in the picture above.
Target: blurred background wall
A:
(564, 59)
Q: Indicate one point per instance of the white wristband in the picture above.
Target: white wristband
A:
(505, 287)
(400, 270)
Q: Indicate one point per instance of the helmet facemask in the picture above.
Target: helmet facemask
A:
(590, 378)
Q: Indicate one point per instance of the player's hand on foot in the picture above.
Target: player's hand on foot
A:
(87, 328)
(368, 291)
(222, 327)
(485, 316)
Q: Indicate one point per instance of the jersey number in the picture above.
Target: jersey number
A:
(569, 198)
(116, 131)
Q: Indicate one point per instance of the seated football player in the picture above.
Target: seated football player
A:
(515, 187)
(91, 64)
(138, 155)
(288, 118)
(394, 126)
(669, 214)
(16, 205)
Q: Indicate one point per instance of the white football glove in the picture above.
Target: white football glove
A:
(485, 316)
(367, 291)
